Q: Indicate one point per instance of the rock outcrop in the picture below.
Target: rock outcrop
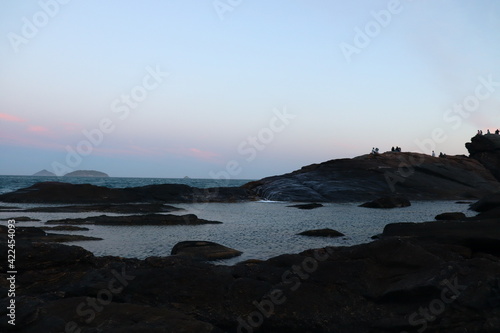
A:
(486, 150)
(203, 250)
(415, 176)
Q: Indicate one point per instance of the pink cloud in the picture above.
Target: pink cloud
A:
(9, 117)
(38, 129)
(203, 155)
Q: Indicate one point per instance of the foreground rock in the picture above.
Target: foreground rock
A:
(203, 250)
(486, 203)
(387, 202)
(384, 286)
(148, 219)
(322, 233)
(307, 206)
(412, 175)
(57, 192)
(451, 216)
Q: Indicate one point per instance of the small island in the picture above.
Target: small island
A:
(86, 173)
(44, 173)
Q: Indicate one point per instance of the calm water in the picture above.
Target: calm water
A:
(260, 229)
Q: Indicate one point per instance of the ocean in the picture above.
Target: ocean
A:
(260, 229)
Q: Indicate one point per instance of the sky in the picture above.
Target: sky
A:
(240, 89)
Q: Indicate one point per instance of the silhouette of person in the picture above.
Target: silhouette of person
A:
(433, 154)
(488, 131)
(497, 132)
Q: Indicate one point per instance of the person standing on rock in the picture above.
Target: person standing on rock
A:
(488, 131)
(497, 132)
(433, 154)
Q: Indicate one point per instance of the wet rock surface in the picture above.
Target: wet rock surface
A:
(307, 206)
(451, 216)
(147, 219)
(34, 234)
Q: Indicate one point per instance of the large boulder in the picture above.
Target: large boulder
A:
(387, 202)
(486, 203)
(486, 150)
(203, 250)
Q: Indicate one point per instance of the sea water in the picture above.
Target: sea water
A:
(260, 229)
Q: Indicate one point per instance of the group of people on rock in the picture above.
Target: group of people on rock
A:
(376, 151)
(440, 154)
(480, 132)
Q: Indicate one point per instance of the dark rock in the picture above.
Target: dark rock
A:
(203, 250)
(110, 208)
(322, 233)
(65, 228)
(486, 150)
(387, 202)
(86, 173)
(148, 219)
(451, 216)
(486, 203)
(39, 235)
(21, 219)
(415, 176)
(56, 192)
(307, 206)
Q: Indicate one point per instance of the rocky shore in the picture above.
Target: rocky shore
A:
(440, 276)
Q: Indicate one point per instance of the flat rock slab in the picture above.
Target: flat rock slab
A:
(149, 219)
(34, 234)
(110, 208)
(21, 219)
(65, 228)
(387, 202)
(307, 206)
(203, 250)
(322, 233)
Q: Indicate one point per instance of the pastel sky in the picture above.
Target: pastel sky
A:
(240, 88)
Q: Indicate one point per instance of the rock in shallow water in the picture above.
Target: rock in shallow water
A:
(322, 233)
(387, 202)
(307, 206)
(203, 250)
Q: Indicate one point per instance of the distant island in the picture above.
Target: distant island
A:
(86, 173)
(45, 173)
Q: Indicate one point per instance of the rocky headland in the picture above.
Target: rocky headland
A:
(86, 173)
